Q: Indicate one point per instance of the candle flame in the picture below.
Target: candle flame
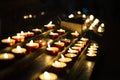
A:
(18, 35)
(76, 32)
(18, 48)
(28, 32)
(22, 32)
(62, 56)
(9, 38)
(91, 17)
(49, 23)
(5, 55)
(31, 42)
(48, 45)
(46, 75)
(84, 16)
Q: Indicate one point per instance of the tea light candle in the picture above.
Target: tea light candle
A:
(41, 43)
(66, 41)
(77, 48)
(36, 30)
(61, 31)
(92, 48)
(32, 45)
(70, 55)
(65, 59)
(52, 50)
(29, 34)
(79, 45)
(22, 33)
(53, 35)
(81, 42)
(19, 50)
(94, 45)
(72, 51)
(8, 41)
(49, 25)
(18, 38)
(59, 44)
(75, 34)
(84, 39)
(6, 56)
(93, 51)
(48, 76)
(58, 64)
(91, 54)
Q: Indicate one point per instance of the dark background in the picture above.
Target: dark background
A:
(11, 22)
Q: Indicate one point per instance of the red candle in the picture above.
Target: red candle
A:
(32, 45)
(66, 41)
(61, 31)
(37, 30)
(52, 50)
(53, 35)
(59, 44)
(8, 41)
(49, 25)
(19, 38)
(41, 43)
(29, 34)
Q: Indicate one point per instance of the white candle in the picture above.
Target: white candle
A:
(48, 76)
(72, 51)
(19, 50)
(64, 59)
(91, 54)
(70, 55)
(58, 64)
(49, 25)
(36, 30)
(6, 56)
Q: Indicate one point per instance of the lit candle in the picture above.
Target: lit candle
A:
(84, 39)
(61, 31)
(52, 50)
(19, 38)
(19, 50)
(41, 43)
(75, 34)
(48, 76)
(78, 48)
(49, 25)
(66, 41)
(91, 54)
(70, 55)
(94, 45)
(59, 44)
(29, 34)
(65, 59)
(82, 42)
(79, 45)
(58, 64)
(8, 41)
(32, 45)
(92, 48)
(36, 30)
(6, 56)
(53, 35)
(93, 51)
(72, 51)
(22, 33)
